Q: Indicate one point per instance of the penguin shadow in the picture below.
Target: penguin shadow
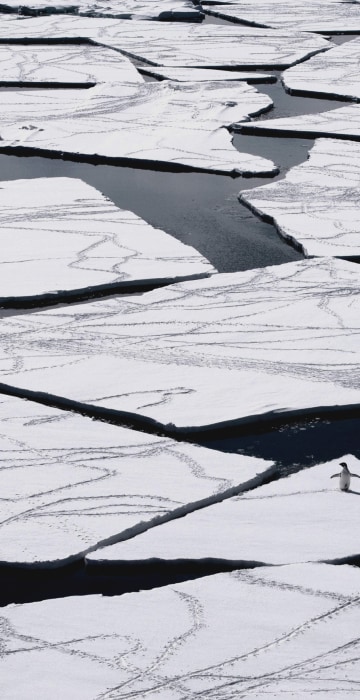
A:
(355, 493)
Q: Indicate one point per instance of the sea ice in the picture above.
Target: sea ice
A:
(272, 632)
(184, 75)
(303, 15)
(67, 482)
(125, 9)
(83, 65)
(335, 72)
(177, 124)
(232, 348)
(59, 236)
(316, 206)
(301, 518)
(343, 123)
(176, 45)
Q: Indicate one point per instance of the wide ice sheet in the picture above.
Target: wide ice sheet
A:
(277, 632)
(84, 65)
(59, 235)
(303, 15)
(301, 518)
(177, 124)
(316, 206)
(67, 482)
(201, 46)
(335, 72)
(231, 348)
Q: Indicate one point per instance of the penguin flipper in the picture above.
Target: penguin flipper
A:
(357, 475)
(334, 475)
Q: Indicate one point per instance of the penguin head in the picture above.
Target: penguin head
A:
(344, 466)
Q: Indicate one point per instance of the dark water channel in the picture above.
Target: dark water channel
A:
(202, 210)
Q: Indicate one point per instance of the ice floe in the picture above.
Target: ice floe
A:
(67, 483)
(61, 236)
(177, 124)
(301, 518)
(334, 16)
(176, 45)
(205, 74)
(316, 206)
(234, 347)
(335, 72)
(78, 66)
(125, 9)
(342, 123)
(276, 632)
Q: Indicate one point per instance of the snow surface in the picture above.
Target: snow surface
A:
(149, 9)
(304, 517)
(343, 123)
(303, 15)
(317, 204)
(335, 72)
(60, 235)
(180, 124)
(177, 45)
(273, 632)
(231, 348)
(83, 65)
(68, 483)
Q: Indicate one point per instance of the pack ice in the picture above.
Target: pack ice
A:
(232, 348)
(301, 518)
(176, 45)
(69, 483)
(286, 632)
(316, 206)
(165, 10)
(303, 15)
(61, 236)
(179, 124)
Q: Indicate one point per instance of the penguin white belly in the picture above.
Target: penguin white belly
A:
(344, 481)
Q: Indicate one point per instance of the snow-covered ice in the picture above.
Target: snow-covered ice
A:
(179, 124)
(301, 15)
(67, 482)
(335, 72)
(303, 517)
(231, 348)
(343, 123)
(83, 65)
(316, 206)
(184, 75)
(177, 45)
(59, 235)
(275, 632)
(125, 9)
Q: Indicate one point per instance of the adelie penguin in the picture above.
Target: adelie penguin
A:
(345, 477)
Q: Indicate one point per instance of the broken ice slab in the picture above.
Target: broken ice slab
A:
(231, 349)
(342, 123)
(334, 73)
(333, 16)
(78, 66)
(59, 236)
(274, 632)
(316, 206)
(68, 483)
(176, 125)
(125, 9)
(201, 46)
(184, 75)
(302, 518)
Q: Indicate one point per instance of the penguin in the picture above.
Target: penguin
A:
(345, 477)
